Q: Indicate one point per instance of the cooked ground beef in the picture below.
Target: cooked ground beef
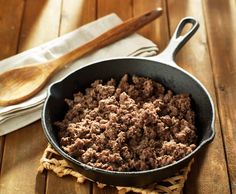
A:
(134, 125)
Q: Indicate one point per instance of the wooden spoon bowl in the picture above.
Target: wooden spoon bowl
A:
(21, 83)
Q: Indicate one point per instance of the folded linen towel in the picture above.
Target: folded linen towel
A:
(17, 116)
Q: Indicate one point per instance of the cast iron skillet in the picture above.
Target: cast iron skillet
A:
(161, 68)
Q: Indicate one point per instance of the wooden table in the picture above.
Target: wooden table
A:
(210, 55)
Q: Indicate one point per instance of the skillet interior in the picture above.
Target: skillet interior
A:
(177, 80)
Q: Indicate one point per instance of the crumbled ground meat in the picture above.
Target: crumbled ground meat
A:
(132, 125)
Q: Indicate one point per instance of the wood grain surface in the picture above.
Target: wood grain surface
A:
(10, 28)
(209, 55)
(221, 31)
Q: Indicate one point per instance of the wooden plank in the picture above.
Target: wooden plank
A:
(74, 14)
(22, 152)
(105, 190)
(23, 148)
(66, 184)
(157, 31)
(2, 141)
(41, 23)
(221, 30)
(210, 167)
(123, 10)
(10, 23)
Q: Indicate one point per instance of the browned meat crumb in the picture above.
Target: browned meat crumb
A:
(137, 125)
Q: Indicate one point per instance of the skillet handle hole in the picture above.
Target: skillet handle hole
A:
(187, 27)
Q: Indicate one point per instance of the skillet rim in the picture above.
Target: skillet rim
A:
(131, 173)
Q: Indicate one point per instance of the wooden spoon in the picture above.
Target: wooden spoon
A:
(21, 83)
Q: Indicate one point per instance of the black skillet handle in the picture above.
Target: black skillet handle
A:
(177, 41)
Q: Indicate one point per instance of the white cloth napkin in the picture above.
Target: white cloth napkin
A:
(17, 116)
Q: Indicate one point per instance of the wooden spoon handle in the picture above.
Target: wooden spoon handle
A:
(124, 29)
